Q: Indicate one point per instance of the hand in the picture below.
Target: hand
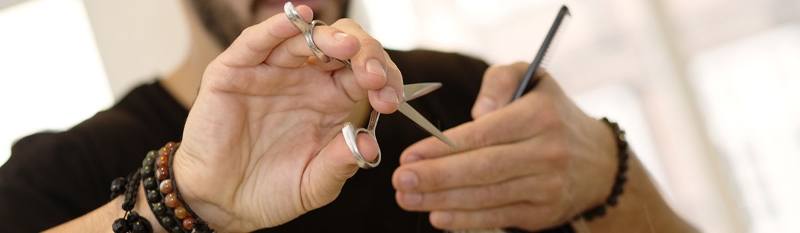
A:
(531, 164)
(260, 146)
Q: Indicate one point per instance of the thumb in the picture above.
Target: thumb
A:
(333, 166)
(498, 87)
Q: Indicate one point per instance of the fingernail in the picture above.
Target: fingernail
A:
(485, 105)
(412, 199)
(443, 218)
(411, 159)
(408, 181)
(339, 35)
(389, 95)
(375, 67)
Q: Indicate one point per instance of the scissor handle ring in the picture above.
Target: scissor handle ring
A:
(350, 133)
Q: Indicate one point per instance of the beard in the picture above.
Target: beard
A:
(225, 25)
(219, 19)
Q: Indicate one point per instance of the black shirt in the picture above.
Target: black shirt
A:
(54, 177)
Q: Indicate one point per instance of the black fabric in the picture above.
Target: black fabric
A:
(53, 177)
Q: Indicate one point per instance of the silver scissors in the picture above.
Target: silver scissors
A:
(410, 91)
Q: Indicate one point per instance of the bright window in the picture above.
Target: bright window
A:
(51, 76)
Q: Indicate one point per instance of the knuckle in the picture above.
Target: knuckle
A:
(494, 219)
(348, 22)
(503, 77)
(484, 170)
(370, 42)
(438, 179)
(478, 138)
(437, 199)
(483, 196)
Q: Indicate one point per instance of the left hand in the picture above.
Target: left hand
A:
(531, 164)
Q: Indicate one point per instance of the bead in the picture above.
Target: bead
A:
(119, 226)
(152, 154)
(150, 183)
(162, 173)
(612, 200)
(170, 144)
(621, 178)
(162, 161)
(171, 200)
(118, 185)
(163, 151)
(147, 171)
(140, 227)
(617, 190)
(159, 209)
(148, 161)
(188, 223)
(600, 211)
(179, 212)
(133, 216)
(153, 196)
(166, 186)
(176, 229)
(167, 221)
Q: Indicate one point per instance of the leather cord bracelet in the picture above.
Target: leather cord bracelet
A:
(131, 221)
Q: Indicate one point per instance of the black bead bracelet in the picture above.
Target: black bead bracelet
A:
(619, 179)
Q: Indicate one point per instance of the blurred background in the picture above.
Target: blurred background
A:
(708, 90)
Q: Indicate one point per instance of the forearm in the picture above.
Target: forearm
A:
(641, 208)
(100, 219)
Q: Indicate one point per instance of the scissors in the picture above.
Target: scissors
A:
(410, 91)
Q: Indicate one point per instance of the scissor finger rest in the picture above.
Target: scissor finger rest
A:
(350, 133)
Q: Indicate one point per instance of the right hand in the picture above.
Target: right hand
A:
(262, 145)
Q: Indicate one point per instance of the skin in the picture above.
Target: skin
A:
(242, 137)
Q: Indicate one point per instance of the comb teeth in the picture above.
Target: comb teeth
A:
(556, 41)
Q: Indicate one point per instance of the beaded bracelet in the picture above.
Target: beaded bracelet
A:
(620, 178)
(196, 222)
(154, 196)
(162, 193)
(131, 221)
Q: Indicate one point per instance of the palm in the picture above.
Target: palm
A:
(259, 135)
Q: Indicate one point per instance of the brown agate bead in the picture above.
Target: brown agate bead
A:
(171, 200)
(170, 145)
(187, 222)
(166, 186)
(162, 161)
(162, 173)
(180, 212)
(163, 151)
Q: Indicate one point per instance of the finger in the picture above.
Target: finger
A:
(498, 87)
(333, 166)
(389, 91)
(521, 215)
(527, 117)
(482, 166)
(372, 68)
(295, 51)
(529, 189)
(256, 42)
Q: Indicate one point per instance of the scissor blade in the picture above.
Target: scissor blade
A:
(424, 123)
(414, 90)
